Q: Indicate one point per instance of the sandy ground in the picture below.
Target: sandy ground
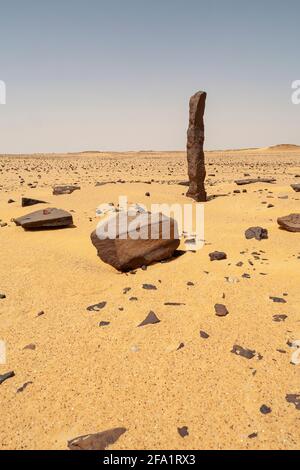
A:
(87, 378)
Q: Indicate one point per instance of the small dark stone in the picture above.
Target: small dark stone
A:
(258, 233)
(147, 194)
(221, 310)
(253, 435)
(240, 351)
(41, 313)
(279, 318)
(6, 376)
(26, 201)
(104, 323)
(96, 307)
(203, 334)
(126, 289)
(295, 399)
(190, 283)
(278, 300)
(173, 303)
(264, 409)
(30, 346)
(133, 298)
(184, 431)
(2, 296)
(21, 389)
(149, 287)
(151, 319)
(217, 256)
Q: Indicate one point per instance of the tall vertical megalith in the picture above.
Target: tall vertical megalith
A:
(195, 153)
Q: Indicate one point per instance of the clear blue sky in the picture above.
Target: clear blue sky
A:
(117, 74)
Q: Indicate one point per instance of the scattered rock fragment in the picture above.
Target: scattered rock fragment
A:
(150, 319)
(183, 432)
(204, 335)
(25, 385)
(240, 351)
(221, 310)
(7, 375)
(217, 256)
(278, 300)
(98, 441)
(295, 399)
(64, 189)
(296, 187)
(2, 296)
(279, 318)
(291, 222)
(265, 410)
(149, 287)
(255, 180)
(96, 307)
(104, 323)
(258, 233)
(26, 201)
(30, 346)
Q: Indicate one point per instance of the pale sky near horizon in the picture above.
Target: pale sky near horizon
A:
(118, 74)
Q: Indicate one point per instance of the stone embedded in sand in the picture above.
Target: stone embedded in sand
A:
(255, 180)
(265, 410)
(136, 240)
(98, 441)
(195, 153)
(204, 335)
(183, 432)
(150, 319)
(240, 351)
(279, 318)
(25, 385)
(217, 256)
(149, 287)
(26, 201)
(96, 307)
(6, 376)
(47, 218)
(296, 187)
(293, 398)
(291, 222)
(64, 189)
(258, 233)
(278, 300)
(221, 310)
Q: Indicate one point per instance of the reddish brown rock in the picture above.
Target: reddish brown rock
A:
(290, 222)
(157, 240)
(195, 153)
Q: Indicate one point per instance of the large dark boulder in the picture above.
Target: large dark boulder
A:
(138, 240)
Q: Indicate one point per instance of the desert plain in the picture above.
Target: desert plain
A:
(175, 384)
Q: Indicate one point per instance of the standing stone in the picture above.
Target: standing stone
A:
(195, 154)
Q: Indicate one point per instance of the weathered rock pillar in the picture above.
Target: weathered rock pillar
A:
(195, 154)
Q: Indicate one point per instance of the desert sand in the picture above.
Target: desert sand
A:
(84, 378)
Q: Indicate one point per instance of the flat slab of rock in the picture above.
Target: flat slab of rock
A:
(255, 180)
(98, 441)
(296, 187)
(290, 222)
(47, 218)
(64, 189)
(258, 233)
(26, 201)
(138, 240)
